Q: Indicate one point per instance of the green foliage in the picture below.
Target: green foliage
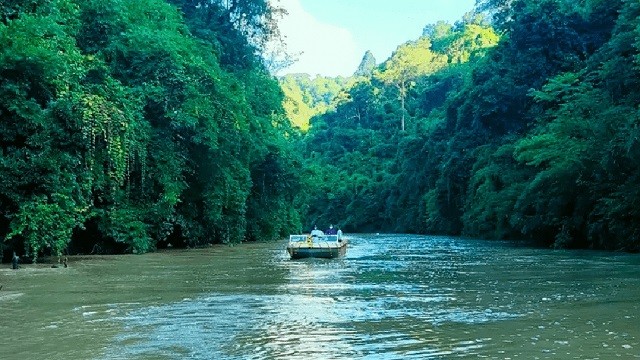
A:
(528, 135)
(406, 64)
(139, 124)
(47, 224)
(42, 200)
(239, 30)
(579, 156)
(494, 189)
(119, 126)
(306, 97)
(123, 225)
(468, 39)
(411, 60)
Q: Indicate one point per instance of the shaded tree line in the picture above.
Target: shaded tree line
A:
(127, 126)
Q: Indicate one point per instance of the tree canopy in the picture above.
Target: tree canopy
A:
(130, 126)
(518, 125)
(127, 126)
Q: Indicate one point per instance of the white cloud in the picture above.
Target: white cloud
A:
(325, 49)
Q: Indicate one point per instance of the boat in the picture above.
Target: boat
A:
(317, 246)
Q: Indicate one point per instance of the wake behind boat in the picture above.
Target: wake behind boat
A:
(316, 246)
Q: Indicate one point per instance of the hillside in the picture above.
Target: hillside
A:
(531, 134)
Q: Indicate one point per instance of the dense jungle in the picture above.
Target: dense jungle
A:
(126, 127)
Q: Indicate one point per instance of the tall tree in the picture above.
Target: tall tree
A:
(406, 64)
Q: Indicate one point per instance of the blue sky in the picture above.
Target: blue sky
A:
(331, 36)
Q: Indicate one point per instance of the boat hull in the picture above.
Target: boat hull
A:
(301, 252)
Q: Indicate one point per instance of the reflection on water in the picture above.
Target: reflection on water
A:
(391, 297)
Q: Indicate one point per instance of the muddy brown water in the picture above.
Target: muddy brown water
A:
(391, 297)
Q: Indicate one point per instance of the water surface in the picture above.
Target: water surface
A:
(391, 297)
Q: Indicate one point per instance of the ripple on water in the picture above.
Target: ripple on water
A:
(293, 326)
(392, 297)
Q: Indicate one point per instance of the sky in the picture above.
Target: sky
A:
(329, 37)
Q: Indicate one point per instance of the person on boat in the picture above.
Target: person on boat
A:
(14, 261)
(331, 230)
(316, 232)
(339, 233)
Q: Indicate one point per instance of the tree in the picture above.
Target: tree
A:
(408, 62)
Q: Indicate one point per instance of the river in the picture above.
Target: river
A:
(391, 297)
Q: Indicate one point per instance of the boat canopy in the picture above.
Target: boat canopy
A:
(298, 238)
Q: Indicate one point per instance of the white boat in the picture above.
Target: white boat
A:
(317, 246)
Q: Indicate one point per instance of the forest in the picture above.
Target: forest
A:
(128, 126)
(519, 122)
(132, 126)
